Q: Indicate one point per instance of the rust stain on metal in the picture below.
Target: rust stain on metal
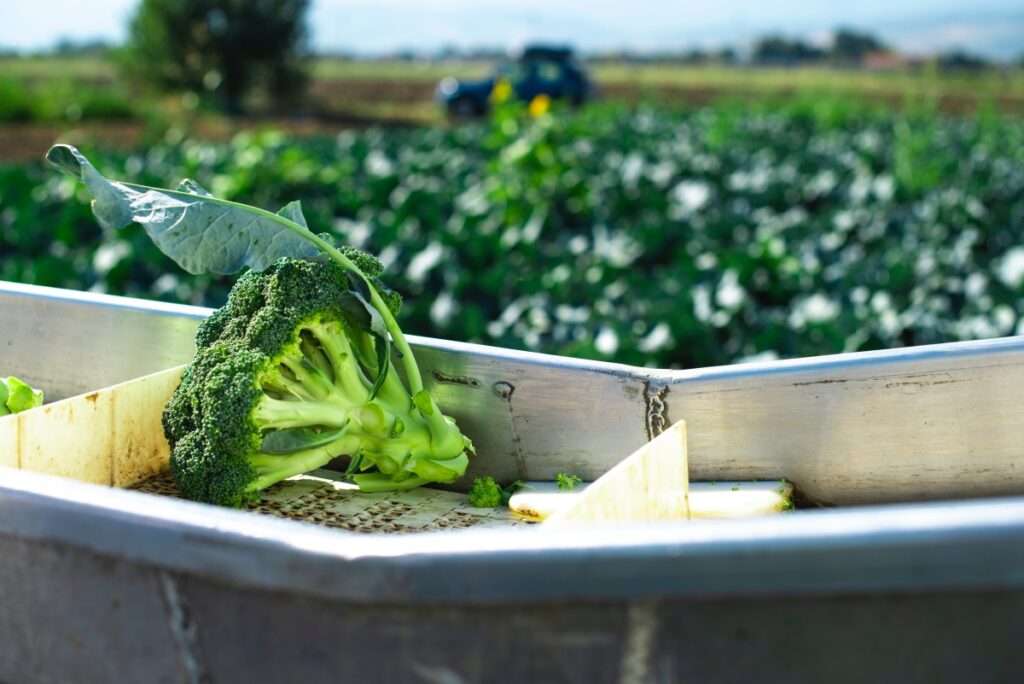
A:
(896, 380)
(829, 381)
(921, 383)
(462, 380)
(505, 390)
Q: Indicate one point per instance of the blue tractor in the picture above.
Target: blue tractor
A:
(537, 70)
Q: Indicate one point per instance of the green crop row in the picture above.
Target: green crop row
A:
(61, 100)
(634, 235)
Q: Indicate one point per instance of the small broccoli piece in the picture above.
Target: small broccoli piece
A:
(486, 493)
(567, 482)
(290, 374)
(392, 299)
(17, 396)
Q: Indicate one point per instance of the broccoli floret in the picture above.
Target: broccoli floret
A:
(486, 493)
(291, 374)
(392, 299)
(566, 482)
(244, 300)
(17, 396)
(367, 263)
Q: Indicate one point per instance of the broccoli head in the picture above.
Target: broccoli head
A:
(294, 372)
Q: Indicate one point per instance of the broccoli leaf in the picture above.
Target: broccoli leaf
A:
(369, 319)
(201, 233)
(567, 482)
(17, 396)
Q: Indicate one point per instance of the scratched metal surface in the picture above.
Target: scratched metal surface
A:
(106, 585)
(909, 424)
(72, 616)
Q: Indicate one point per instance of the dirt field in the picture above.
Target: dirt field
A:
(347, 94)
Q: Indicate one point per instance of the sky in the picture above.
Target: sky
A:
(994, 28)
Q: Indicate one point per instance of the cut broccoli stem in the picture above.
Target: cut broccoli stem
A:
(379, 482)
(392, 390)
(347, 374)
(282, 414)
(314, 352)
(271, 468)
(435, 470)
(292, 378)
(311, 379)
(443, 437)
(280, 385)
(412, 370)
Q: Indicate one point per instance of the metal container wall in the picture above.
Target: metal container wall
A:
(101, 585)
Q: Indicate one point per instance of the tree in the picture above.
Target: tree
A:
(851, 46)
(779, 50)
(225, 48)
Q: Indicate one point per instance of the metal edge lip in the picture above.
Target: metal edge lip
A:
(943, 546)
(823, 363)
(158, 308)
(145, 306)
(828, 363)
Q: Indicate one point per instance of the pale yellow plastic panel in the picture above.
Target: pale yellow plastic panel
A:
(112, 436)
(651, 484)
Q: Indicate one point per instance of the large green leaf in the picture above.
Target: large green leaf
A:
(201, 233)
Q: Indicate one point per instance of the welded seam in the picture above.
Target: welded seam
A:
(641, 632)
(655, 409)
(183, 631)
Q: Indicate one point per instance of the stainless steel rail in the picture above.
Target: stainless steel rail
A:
(99, 584)
(908, 424)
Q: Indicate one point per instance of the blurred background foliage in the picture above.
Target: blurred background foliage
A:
(639, 234)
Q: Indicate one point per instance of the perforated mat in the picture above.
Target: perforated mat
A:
(322, 499)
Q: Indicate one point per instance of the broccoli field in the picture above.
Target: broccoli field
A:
(638, 235)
